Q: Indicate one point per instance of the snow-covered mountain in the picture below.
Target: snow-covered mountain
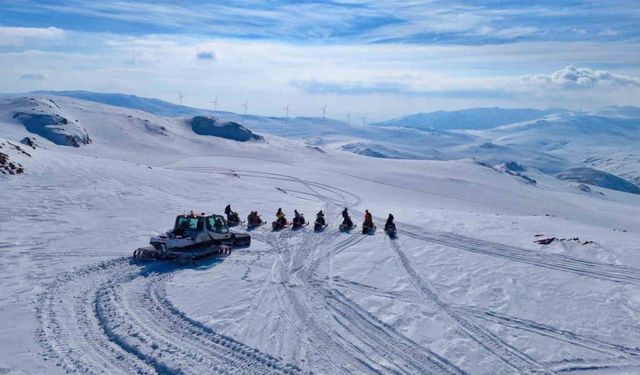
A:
(150, 105)
(553, 141)
(473, 118)
(465, 289)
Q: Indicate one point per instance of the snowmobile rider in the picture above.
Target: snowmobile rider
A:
(368, 219)
(346, 219)
(389, 223)
(231, 215)
(320, 218)
(254, 218)
(280, 215)
(297, 218)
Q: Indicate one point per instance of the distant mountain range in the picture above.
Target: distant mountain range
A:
(552, 141)
(473, 118)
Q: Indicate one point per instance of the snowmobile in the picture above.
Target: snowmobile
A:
(254, 221)
(347, 225)
(391, 230)
(320, 223)
(298, 222)
(233, 219)
(368, 227)
(279, 224)
(194, 236)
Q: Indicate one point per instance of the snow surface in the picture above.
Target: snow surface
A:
(473, 118)
(552, 140)
(464, 288)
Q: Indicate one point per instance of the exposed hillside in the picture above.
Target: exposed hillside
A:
(204, 125)
(44, 117)
(599, 178)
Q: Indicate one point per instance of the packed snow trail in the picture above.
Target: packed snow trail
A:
(115, 318)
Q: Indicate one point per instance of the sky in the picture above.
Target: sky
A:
(380, 58)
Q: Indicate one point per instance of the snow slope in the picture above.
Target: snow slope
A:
(552, 140)
(464, 289)
(473, 118)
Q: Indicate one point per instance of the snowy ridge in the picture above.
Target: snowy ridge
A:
(473, 118)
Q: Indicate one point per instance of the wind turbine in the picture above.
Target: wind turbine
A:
(286, 119)
(245, 106)
(180, 96)
(324, 112)
(364, 120)
(215, 104)
(349, 118)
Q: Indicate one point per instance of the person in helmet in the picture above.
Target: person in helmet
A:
(346, 219)
(368, 219)
(298, 219)
(281, 217)
(320, 218)
(389, 224)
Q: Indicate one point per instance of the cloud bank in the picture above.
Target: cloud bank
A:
(206, 55)
(33, 77)
(574, 77)
(14, 36)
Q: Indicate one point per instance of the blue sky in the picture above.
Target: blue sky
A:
(383, 58)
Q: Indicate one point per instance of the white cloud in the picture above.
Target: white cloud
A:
(206, 55)
(15, 36)
(574, 77)
(609, 32)
(33, 77)
(384, 80)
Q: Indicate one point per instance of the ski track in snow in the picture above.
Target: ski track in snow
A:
(115, 318)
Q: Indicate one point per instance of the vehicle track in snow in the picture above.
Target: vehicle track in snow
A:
(591, 343)
(617, 351)
(559, 262)
(510, 355)
(115, 318)
(330, 194)
(340, 325)
(464, 318)
(519, 361)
